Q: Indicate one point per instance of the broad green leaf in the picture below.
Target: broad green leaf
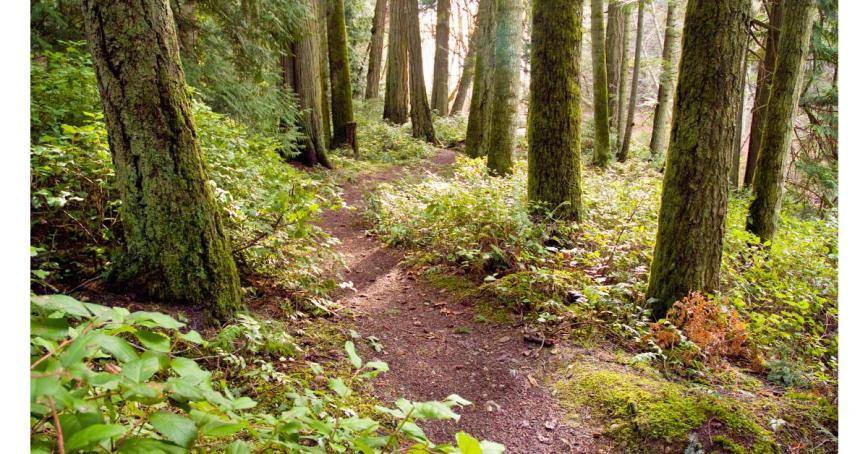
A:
(117, 347)
(243, 403)
(239, 447)
(467, 444)
(52, 328)
(413, 431)
(351, 353)
(154, 319)
(183, 391)
(61, 303)
(434, 410)
(154, 341)
(140, 370)
(72, 423)
(455, 398)
(149, 446)
(80, 348)
(178, 429)
(490, 447)
(214, 426)
(193, 336)
(357, 424)
(189, 370)
(92, 435)
(337, 385)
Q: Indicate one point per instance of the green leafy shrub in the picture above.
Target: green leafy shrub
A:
(63, 90)
(381, 142)
(450, 130)
(107, 380)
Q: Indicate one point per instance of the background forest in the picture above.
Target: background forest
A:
(465, 226)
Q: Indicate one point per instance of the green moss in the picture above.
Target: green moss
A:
(643, 413)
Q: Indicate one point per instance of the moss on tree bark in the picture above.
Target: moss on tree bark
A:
(660, 130)
(175, 246)
(420, 113)
(507, 63)
(476, 138)
(768, 182)
(691, 223)
(467, 72)
(440, 82)
(601, 90)
(375, 57)
(555, 107)
(624, 149)
(339, 65)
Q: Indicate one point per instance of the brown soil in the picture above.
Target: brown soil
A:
(430, 357)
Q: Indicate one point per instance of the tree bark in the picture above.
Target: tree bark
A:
(507, 64)
(397, 65)
(692, 216)
(476, 137)
(601, 96)
(184, 12)
(420, 113)
(615, 36)
(339, 66)
(660, 130)
(765, 70)
(375, 58)
(634, 87)
(768, 182)
(440, 83)
(735, 171)
(555, 108)
(467, 72)
(320, 7)
(175, 246)
(622, 87)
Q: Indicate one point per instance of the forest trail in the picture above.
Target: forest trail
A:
(430, 351)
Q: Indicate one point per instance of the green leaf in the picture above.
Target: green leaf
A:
(490, 447)
(52, 328)
(73, 423)
(154, 320)
(351, 353)
(413, 431)
(337, 385)
(434, 410)
(357, 424)
(239, 447)
(467, 444)
(92, 435)
(149, 446)
(77, 350)
(61, 303)
(178, 429)
(189, 370)
(154, 341)
(117, 347)
(140, 370)
(214, 426)
(455, 398)
(193, 337)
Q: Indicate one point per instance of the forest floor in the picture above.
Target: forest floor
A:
(431, 348)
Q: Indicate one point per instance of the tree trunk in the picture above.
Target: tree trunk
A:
(615, 36)
(467, 71)
(175, 246)
(735, 172)
(554, 130)
(420, 113)
(397, 65)
(305, 70)
(507, 64)
(622, 87)
(765, 70)
(634, 87)
(440, 87)
(768, 182)
(184, 12)
(339, 65)
(692, 216)
(320, 7)
(601, 96)
(375, 59)
(476, 137)
(660, 130)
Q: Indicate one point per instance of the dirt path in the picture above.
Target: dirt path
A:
(491, 365)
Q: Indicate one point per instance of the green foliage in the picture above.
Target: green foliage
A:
(108, 380)
(269, 207)
(450, 130)
(381, 142)
(596, 271)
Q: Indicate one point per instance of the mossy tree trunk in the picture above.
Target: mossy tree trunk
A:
(440, 82)
(735, 171)
(555, 108)
(467, 72)
(618, 133)
(375, 57)
(397, 65)
(660, 130)
(765, 70)
(320, 7)
(624, 150)
(768, 182)
(692, 216)
(507, 64)
(476, 137)
(601, 89)
(615, 36)
(341, 85)
(184, 12)
(305, 67)
(175, 246)
(420, 112)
